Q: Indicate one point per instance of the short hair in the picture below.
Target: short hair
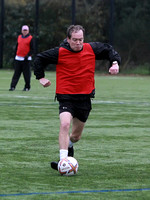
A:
(74, 28)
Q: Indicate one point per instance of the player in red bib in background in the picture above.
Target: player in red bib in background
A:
(75, 84)
(24, 51)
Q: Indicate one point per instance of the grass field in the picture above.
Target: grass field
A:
(113, 154)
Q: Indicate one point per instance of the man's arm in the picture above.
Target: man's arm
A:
(43, 59)
(104, 51)
(31, 48)
(15, 52)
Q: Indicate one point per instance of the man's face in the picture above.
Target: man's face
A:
(76, 40)
(25, 32)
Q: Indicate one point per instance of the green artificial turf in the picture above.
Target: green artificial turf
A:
(113, 153)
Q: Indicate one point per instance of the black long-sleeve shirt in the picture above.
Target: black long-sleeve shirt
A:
(101, 51)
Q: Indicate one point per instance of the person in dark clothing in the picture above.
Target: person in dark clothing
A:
(23, 53)
(75, 84)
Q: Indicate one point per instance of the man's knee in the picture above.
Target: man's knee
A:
(65, 125)
(75, 138)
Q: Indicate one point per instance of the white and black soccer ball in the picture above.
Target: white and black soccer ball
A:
(68, 166)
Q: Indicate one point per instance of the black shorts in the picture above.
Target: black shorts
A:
(78, 109)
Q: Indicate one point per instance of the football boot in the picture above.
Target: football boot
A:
(71, 151)
(54, 165)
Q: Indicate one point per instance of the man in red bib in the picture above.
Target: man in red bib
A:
(24, 51)
(75, 84)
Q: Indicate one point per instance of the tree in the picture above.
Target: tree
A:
(131, 25)
(131, 32)
(16, 15)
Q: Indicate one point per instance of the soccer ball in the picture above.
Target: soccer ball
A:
(68, 166)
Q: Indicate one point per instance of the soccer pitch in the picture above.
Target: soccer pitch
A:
(113, 153)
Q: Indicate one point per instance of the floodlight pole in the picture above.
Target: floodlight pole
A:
(36, 25)
(73, 11)
(111, 31)
(1, 32)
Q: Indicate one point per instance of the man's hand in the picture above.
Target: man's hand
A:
(45, 82)
(114, 69)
